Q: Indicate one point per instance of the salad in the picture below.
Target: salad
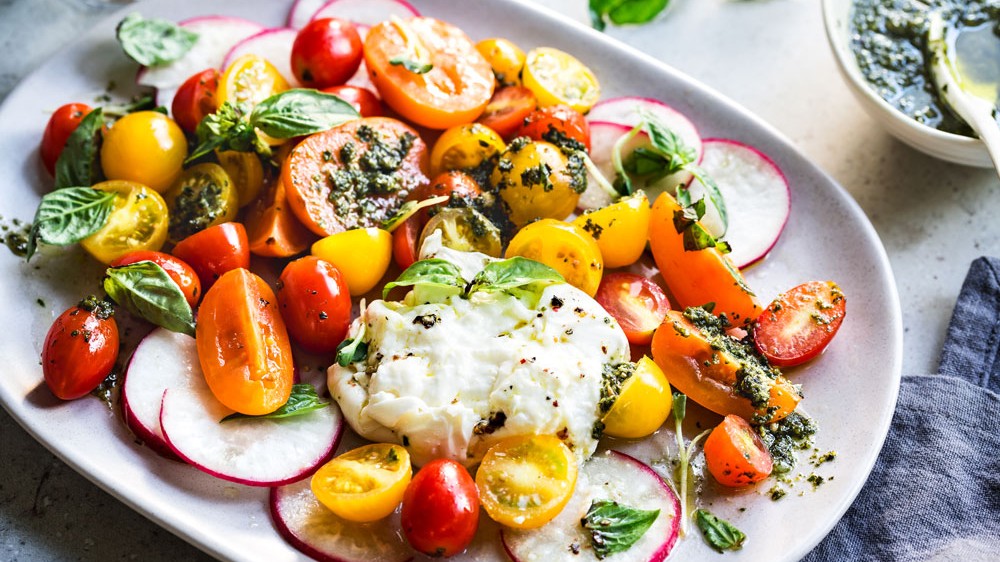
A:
(475, 218)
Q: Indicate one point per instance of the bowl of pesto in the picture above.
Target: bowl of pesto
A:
(881, 49)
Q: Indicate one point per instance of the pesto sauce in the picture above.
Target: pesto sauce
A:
(782, 438)
(200, 202)
(15, 236)
(613, 379)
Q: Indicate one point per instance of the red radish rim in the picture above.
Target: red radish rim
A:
(150, 438)
(268, 31)
(214, 17)
(402, 3)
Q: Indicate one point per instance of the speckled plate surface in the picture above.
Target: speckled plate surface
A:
(851, 389)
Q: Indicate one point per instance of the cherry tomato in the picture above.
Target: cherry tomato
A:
(556, 123)
(464, 146)
(450, 184)
(195, 99)
(505, 58)
(315, 304)
(440, 509)
(464, 229)
(146, 147)
(243, 345)
(80, 349)
(404, 242)
(365, 484)
(535, 181)
(620, 229)
(60, 126)
(215, 251)
(556, 77)
(326, 52)
(363, 100)
(203, 196)
(643, 403)
(637, 303)
(362, 255)
(245, 171)
(182, 273)
(507, 110)
(563, 247)
(735, 455)
(272, 228)
(524, 482)
(137, 222)
(799, 324)
(250, 79)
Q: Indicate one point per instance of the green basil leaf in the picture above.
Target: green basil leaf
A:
(303, 400)
(298, 112)
(719, 533)
(615, 527)
(513, 273)
(434, 272)
(713, 193)
(622, 12)
(413, 66)
(152, 42)
(69, 215)
(351, 351)
(77, 163)
(226, 129)
(146, 290)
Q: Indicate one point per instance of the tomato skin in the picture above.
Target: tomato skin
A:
(636, 302)
(404, 242)
(735, 454)
(465, 146)
(363, 99)
(80, 349)
(364, 484)
(798, 325)
(505, 58)
(561, 119)
(145, 147)
(620, 229)
(527, 196)
(564, 247)
(507, 110)
(326, 52)
(448, 184)
(182, 273)
(215, 251)
(440, 509)
(195, 99)
(643, 405)
(315, 304)
(60, 126)
(362, 255)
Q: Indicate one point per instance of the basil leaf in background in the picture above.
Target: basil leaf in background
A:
(77, 164)
(434, 272)
(615, 527)
(303, 400)
(298, 112)
(69, 215)
(146, 290)
(719, 533)
(513, 273)
(152, 42)
(413, 66)
(622, 12)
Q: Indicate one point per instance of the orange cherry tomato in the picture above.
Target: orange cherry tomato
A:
(799, 324)
(440, 509)
(215, 250)
(363, 99)
(507, 110)
(315, 304)
(80, 349)
(637, 303)
(557, 124)
(735, 455)
(182, 273)
(243, 345)
(60, 126)
(195, 99)
(273, 230)
(452, 184)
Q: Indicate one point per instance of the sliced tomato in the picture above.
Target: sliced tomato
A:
(507, 110)
(464, 229)
(559, 124)
(440, 509)
(363, 99)
(80, 349)
(182, 273)
(505, 58)
(215, 251)
(557, 77)
(536, 180)
(243, 345)
(250, 79)
(643, 404)
(620, 229)
(195, 99)
(365, 484)
(272, 228)
(137, 222)
(465, 146)
(735, 454)
(315, 304)
(203, 196)
(61, 125)
(245, 171)
(637, 303)
(448, 184)
(799, 324)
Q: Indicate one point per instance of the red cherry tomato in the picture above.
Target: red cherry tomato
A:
(366, 102)
(448, 184)
(507, 110)
(799, 324)
(80, 349)
(215, 250)
(735, 455)
(326, 52)
(554, 123)
(195, 99)
(182, 273)
(62, 123)
(440, 509)
(637, 303)
(315, 304)
(404, 242)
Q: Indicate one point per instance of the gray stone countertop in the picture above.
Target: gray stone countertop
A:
(771, 56)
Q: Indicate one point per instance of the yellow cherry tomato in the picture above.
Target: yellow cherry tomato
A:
(643, 404)
(245, 171)
(556, 77)
(620, 229)
(505, 58)
(137, 222)
(464, 146)
(365, 484)
(203, 196)
(536, 180)
(146, 147)
(524, 482)
(250, 79)
(564, 247)
(464, 229)
(362, 255)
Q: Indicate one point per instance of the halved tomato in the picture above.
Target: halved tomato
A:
(620, 229)
(735, 454)
(636, 302)
(137, 222)
(557, 77)
(215, 251)
(364, 484)
(643, 404)
(799, 324)
(507, 110)
(181, 273)
(250, 79)
(202, 197)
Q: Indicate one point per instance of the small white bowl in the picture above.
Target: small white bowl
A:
(946, 146)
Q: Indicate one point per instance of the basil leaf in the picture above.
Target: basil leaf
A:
(615, 527)
(413, 66)
(513, 273)
(352, 350)
(434, 272)
(152, 42)
(69, 215)
(226, 129)
(622, 12)
(695, 236)
(298, 112)
(303, 400)
(714, 194)
(77, 163)
(719, 533)
(146, 290)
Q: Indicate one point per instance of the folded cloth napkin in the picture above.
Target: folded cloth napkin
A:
(934, 494)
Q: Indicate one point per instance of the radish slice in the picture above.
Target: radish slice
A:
(313, 529)
(302, 12)
(756, 194)
(368, 12)
(608, 476)
(256, 452)
(216, 36)
(274, 45)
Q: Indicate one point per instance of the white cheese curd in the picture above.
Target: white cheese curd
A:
(448, 377)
